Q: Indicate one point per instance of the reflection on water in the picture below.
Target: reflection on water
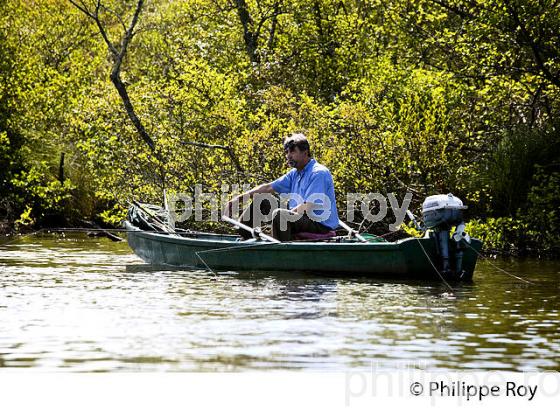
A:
(91, 305)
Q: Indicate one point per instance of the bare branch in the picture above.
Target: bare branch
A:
(130, 32)
(117, 15)
(95, 17)
(82, 7)
(110, 45)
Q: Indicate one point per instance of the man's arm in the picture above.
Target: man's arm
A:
(261, 189)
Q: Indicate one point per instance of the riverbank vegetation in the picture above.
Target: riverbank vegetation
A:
(104, 101)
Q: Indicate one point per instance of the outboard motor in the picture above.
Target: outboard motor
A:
(441, 213)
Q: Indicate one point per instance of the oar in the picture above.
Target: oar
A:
(249, 229)
(351, 231)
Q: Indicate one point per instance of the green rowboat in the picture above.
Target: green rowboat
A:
(416, 258)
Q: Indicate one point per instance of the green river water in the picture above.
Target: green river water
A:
(81, 304)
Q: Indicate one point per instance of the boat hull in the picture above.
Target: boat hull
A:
(412, 257)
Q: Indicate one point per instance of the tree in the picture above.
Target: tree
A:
(118, 52)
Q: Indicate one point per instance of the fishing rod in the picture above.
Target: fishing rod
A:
(17, 238)
(498, 268)
(125, 230)
(85, 230)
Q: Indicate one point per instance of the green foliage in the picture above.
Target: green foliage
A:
(535, 228)
(41, 76)
(24, 219)
(543, 211)
(114, 216)
(503, 234)
(395, 96)
(411, 230)
(512, 164)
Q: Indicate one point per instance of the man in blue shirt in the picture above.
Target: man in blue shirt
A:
(308, 190)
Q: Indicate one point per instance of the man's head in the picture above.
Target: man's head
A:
(296, 148)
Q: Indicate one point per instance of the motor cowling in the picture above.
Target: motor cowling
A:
(441, 213)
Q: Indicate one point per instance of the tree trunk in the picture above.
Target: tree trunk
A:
(251, 38)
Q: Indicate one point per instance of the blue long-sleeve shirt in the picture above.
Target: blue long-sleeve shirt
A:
(314, 183)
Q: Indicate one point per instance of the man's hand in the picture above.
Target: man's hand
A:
(234, 203)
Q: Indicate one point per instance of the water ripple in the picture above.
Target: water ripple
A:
(78, 304)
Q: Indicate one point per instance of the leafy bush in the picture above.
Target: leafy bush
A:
(502, 235)
(542, 216)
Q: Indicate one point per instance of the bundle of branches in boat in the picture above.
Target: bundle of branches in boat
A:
(149, 217)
